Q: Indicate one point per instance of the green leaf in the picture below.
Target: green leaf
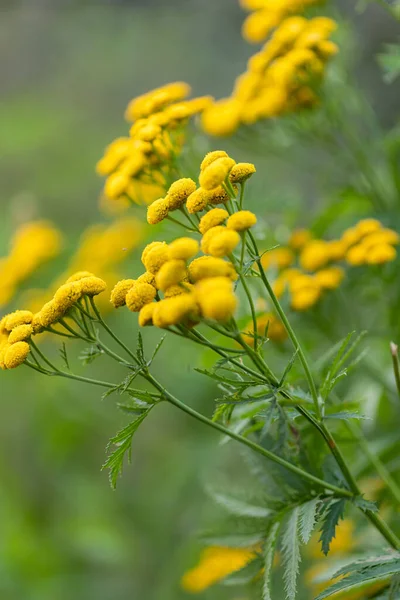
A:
(64, 356)
(291, 553)
(269, 553)
(345, 415)
(88, 355)
(364, 504)
(363, 573)
(157, 348)
(335, 372)
(140, 350)
(308, 518)
(390, 62)
(239, 507)
(123, 442)
(288, 368)
(331, 518)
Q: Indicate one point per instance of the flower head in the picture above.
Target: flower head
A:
(157, 211)
(20, 333)
(380, 254)
(214, 217)
(16, 354)
(330, 278)
(315, 255)
(67, 295)
(241, 172)
(177, 309)
(241, 220)
(92, 286)
(119, 292)
(155, 255)
(18, 317)
(216, 298)
(197, 201)
(216, 173)
(178, 193)
(223, 243)
(183, 248)
(139, 295)
(208, 266)
(171, 273)
(210, 157)
(146, 314)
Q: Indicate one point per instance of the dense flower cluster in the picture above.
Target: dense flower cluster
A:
(138, 167)
(32, 245)
(308, 267)
(101, 249)
(17, 327)
(281, 77)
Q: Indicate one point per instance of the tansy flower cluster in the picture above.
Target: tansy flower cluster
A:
(139, 166)
(32, 245)
(280, 78)
(266, 15)
(308, 267)
(17, 328)
(191, 288)
(102, 248)
(218, 171)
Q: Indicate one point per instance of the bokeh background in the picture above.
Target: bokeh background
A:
(67, 71)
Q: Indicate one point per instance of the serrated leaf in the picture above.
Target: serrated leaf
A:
(335, 371)
(157, 348)
(88, 355)
(123, 442)
(376, 572)
(288, 368)
(291, 553)
(308, 518)
(140, 350)
(269, 553)
(364, 504)
(345, 415)
(331, 518)
(239, 507)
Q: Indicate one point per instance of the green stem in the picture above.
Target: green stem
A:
(290, 331)
(394, 350)
(241, 195)
(266, 453)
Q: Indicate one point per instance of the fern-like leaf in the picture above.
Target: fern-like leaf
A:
(291, 553)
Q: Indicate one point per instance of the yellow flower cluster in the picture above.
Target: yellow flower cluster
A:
(308, 267)
(17, 327)
(192, 288)
(32, 245)
(281, 77)
(101, 249)
(266, 15)
(217, 170)
(216, 563)
(139, 167)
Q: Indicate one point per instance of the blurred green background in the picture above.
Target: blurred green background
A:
(68, 70)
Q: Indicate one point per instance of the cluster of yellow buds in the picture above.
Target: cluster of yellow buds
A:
(266, 15)
(33, 244)
(308, 267)
(279, 78)
(139, 166)
(217, 170)
(101, 249)
(192, 288)
(17, 327)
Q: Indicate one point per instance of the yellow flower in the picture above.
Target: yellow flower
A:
(20, 333)
(216, 298)
(241, 171)
(67, 295)
(132, 166)
(209, 235)
(79, 275)
(171, 273)
(326, 49)
(305, 299)
(184, 248)
(299, 238)
(116, 185)
(16, 318)
(119, 292)
(197, 201)
(258, 24)
(172, 311)
(337, 249)
(357, 255)
(157, 211)
(156, 99)
(279, 258)
(210, 157)
(177, 290)
(37, 326)
(139, 295)
(16, 355)
(215, 564)
(241, 220)
(382, 236)
(222, 118)
(92, 286)
(223, 243)
(208, 266)
(218, 195)
(146, 314)
(216, 173)
(154, 258)
(214, 217)
(178, 193)
(351, 236)
(380, 254)
(314, 255)
(330, 278)
(147, 278)
(149, 132)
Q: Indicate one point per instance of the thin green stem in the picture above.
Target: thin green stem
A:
(290, 331)
(42, 356)
(394, 350)
(173, 220)
(241, 198)
(266, 453)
